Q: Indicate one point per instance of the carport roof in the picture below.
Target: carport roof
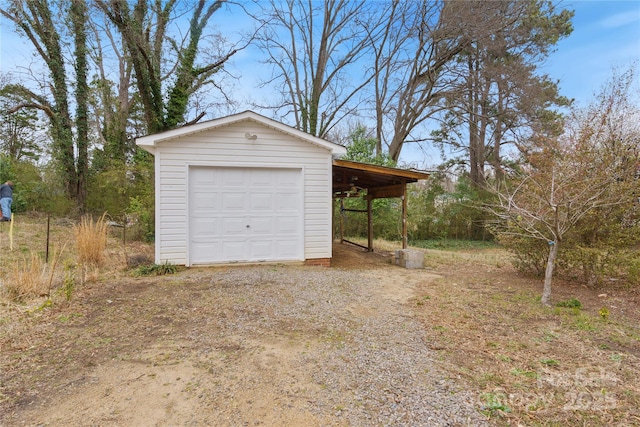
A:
(348, 174)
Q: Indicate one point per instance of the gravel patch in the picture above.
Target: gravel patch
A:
(368, 357)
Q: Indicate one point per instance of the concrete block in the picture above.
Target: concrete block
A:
(410, 258)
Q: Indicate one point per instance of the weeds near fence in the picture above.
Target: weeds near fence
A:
(91, 240)
(54, 258)
(27, 278)
(31, 277)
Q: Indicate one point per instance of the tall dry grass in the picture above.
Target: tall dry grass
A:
(91, 240)
(27, 278)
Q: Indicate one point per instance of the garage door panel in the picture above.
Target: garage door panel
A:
(261, 226)
(287, 202)
(261, 250)
(234, 202)
(234, 177)
(261, 201)
(289, 178)
(244, 214)
(205, 177)
(233, 227)
(206, 201)
(262, 178)
(286, 249)
(286, 226)
(205, 227)
(203, 252)
(233, 250)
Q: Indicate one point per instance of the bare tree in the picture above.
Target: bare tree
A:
(113, 100)
(594, 165)
(316, 49)
(423, 40)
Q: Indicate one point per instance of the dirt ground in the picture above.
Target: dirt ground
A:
(122, 352)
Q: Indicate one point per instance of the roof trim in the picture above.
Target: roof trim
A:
(383, 170)
(150, 142)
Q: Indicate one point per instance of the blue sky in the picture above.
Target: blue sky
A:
(606, 34)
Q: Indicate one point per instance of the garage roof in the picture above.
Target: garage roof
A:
(150, 142)
(380, 181)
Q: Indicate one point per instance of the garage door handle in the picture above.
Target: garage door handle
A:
(247, 225)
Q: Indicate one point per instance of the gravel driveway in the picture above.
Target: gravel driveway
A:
(267, 345)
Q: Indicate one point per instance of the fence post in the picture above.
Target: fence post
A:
(46, 256)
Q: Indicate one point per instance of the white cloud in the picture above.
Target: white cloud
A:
(621, 19)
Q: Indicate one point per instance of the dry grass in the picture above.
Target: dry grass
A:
(91, 240)
(529, 364)
(27, 278)
(24, 273)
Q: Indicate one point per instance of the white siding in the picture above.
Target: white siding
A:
(228, 147)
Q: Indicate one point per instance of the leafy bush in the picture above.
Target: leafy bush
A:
(529, 254)
(435, 213)
(141, 215)
(108, 191)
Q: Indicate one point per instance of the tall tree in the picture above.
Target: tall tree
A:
(113, 102)
(36, 19)
(421, 40)
(501, 98)
(79, 16)
(315, 49)
(145, 33)
(361, 147)
(20, 131)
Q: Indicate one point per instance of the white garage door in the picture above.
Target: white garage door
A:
(245, 214)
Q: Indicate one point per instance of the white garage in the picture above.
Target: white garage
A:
(243, 188)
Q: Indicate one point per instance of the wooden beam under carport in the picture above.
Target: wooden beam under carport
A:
(386, 192)
(380, 182)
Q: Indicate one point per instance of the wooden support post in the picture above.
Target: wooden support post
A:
(370, 224)
(341, 220)
(333, 219)
(404, 216)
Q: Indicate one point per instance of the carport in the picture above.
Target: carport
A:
(353, 179)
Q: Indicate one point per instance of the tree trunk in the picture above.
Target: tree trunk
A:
(78, 15)
(548, 274)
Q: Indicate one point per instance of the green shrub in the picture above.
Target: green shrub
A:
(570, 303)
(453, 244)
(529, 255)
(141, 215)
(156, 269)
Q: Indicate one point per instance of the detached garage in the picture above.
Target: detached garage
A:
(242, 188)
